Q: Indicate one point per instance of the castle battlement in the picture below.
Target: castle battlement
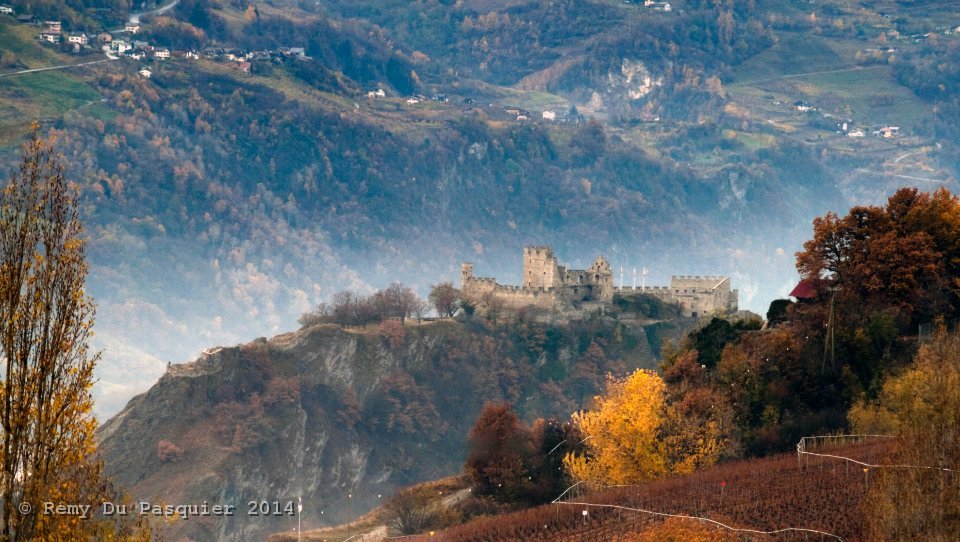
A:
(547, 284)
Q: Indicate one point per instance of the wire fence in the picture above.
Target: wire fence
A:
(619, 528)
(812, 496)
(868, 454)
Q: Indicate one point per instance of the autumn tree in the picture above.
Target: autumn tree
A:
(641, 430)
(445, 298)
(621, 432)
(904, 257)
(878, 273)
(922, 407)
(46, 321)
(499, 446)
(515, 464)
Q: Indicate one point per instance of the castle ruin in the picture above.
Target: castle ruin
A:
(546, 284)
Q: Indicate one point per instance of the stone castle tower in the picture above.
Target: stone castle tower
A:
(540, 267)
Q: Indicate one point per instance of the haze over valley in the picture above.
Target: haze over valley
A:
(241, 163)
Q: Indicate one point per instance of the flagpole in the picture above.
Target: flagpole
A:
(299, 509)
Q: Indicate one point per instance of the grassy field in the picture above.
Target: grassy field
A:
(21, 40)
(792, 54)
(40, 96)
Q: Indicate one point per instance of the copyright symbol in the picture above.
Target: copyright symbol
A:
(25, 508)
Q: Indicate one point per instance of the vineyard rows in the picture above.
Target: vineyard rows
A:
(802, 492)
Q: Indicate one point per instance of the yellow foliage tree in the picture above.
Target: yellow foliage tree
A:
(641, 430)
(46, 367)
(621, 434)
(922, 407)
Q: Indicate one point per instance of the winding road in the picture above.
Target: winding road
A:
(135, 17)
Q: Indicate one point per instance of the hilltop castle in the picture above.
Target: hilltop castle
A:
(547, 284)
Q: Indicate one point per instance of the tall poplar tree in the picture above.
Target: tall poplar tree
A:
(46, 363)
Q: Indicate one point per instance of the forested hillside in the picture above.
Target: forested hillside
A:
(226, 200)
(325, 411)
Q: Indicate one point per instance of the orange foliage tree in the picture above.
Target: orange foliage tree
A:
(903, 258)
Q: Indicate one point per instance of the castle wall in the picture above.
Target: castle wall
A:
(546, 284)
(697, 295)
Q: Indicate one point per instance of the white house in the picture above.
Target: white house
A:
(120, 46)
(145, 73)
(161, 53)
(6, 10)
(52, 37)
(80, 39)
(132, 28)
(855, 133)
(549, 115)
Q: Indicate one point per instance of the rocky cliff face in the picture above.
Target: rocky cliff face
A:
(342, 418)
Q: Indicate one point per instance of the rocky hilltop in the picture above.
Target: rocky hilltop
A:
(343, 417)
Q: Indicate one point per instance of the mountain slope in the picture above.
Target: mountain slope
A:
(324, 412)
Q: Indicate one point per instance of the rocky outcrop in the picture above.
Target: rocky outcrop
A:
(338, 418)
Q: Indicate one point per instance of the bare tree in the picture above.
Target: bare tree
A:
(494, 305)
(321, 315)
(397, 301)
(45, 324)
(415, 510)
(445, 298)
(420, 310)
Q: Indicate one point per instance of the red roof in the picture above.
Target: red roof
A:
(804, 290)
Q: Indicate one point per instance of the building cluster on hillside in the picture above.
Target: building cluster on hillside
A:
(546, 284)
(848, 127)
(121, 43)
(652, 4)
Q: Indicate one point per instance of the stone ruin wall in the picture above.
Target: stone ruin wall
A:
(696, 295)
(513, 296)
(547, 285)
